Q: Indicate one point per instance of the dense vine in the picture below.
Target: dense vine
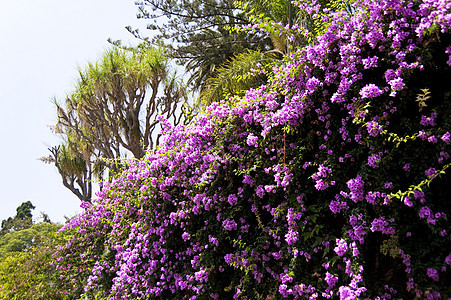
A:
(330, 181)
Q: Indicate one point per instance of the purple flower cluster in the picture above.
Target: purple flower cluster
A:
(291, 237)
(252, 140)
(373, 128)
(341, 248)
(433, 273)
(320, 176)
(229, 224)
(428, 121)
(356, 186)
(370, 91)
(382, 225)
(373, 160)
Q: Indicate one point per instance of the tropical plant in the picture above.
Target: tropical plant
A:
(236, 76)
(113, 112)
(198, 34)
(285, 24)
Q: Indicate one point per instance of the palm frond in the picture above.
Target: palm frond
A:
(235, 76)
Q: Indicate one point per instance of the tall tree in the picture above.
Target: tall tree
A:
(114, 112)
(22, 219)
(247, 69)
(203, 38)
(199, 34)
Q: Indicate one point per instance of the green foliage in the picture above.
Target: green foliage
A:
(237, 75)
(242, 72)
(118, 68)
(277, 10)
(198, 35)
(22, 219)
(24, 211)
(72, 161)
(26, 271)
(26, 239)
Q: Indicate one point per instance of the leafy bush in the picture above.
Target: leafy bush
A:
(26, 271)
(330, 181)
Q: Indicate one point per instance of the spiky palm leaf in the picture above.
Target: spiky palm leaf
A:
(236, 76)
(232, 77)
(71, 162)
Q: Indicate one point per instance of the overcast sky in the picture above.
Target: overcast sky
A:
(41, 44)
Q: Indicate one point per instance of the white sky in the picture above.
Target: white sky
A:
(41, 44)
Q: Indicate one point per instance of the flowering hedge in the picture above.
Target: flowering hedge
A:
(330, 181)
